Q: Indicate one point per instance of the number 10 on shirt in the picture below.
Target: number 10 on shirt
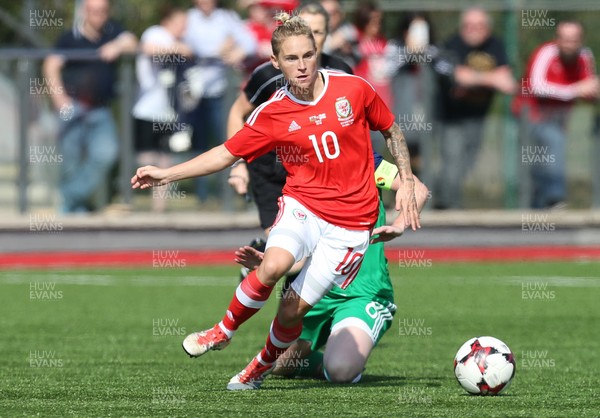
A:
(324, 142)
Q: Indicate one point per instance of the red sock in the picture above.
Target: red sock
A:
(279, 340)
(249, 297)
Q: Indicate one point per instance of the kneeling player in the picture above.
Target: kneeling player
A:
(349, 322)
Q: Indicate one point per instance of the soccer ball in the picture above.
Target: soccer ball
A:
(484, 366)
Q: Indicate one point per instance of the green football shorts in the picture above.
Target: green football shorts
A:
(373, 315)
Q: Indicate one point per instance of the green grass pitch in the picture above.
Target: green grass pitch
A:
(107, 343)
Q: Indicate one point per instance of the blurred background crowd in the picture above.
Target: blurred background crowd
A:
(498, 103)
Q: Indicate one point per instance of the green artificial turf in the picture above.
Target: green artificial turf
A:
(108, 343)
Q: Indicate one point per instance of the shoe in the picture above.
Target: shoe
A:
(199, 343)
(244, 272)
(258, 244)
(251, 377)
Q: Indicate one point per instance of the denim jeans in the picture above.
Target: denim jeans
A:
(546, 156)
(461, 141)
(209, 130)
(89, 145)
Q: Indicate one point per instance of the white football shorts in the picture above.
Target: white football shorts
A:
(334, 254)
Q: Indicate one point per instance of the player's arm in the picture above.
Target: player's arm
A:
(405, 196)
(239, 177)
(216, 159)
(389, 232)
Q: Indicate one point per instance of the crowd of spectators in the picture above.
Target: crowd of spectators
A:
(182, 70)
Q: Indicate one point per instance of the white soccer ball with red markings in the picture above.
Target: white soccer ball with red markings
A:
(484, 366)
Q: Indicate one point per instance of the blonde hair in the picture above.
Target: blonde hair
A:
(289, 26)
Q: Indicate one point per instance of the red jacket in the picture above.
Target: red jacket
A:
(547, 85)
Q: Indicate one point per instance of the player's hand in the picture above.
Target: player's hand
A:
(149, 176)
(406, 203)
(386, 233)
(249, 257)
(239, 178)
(422, 193)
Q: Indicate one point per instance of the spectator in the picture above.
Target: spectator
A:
(558, 73)
(260, 24)
(410, 55)
(342, 40)
(88, 137)
(473, 66)
(161, 51)
(218, 39)
(373, 65)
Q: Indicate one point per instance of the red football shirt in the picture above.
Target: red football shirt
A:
(324, 145)
(547, 85)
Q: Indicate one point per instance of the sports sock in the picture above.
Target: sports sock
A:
(279, 339)
(249, 297)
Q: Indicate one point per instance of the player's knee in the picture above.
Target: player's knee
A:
(270, 272)
(338, 370)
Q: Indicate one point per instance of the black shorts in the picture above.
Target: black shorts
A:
(148, 137)
(267, 178)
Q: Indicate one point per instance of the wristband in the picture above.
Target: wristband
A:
(385, 175)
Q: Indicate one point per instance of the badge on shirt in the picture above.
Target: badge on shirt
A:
(343, 109)
(317, 119)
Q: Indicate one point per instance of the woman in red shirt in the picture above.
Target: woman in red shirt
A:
(319, 125)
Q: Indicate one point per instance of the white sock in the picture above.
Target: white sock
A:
(226, 330)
